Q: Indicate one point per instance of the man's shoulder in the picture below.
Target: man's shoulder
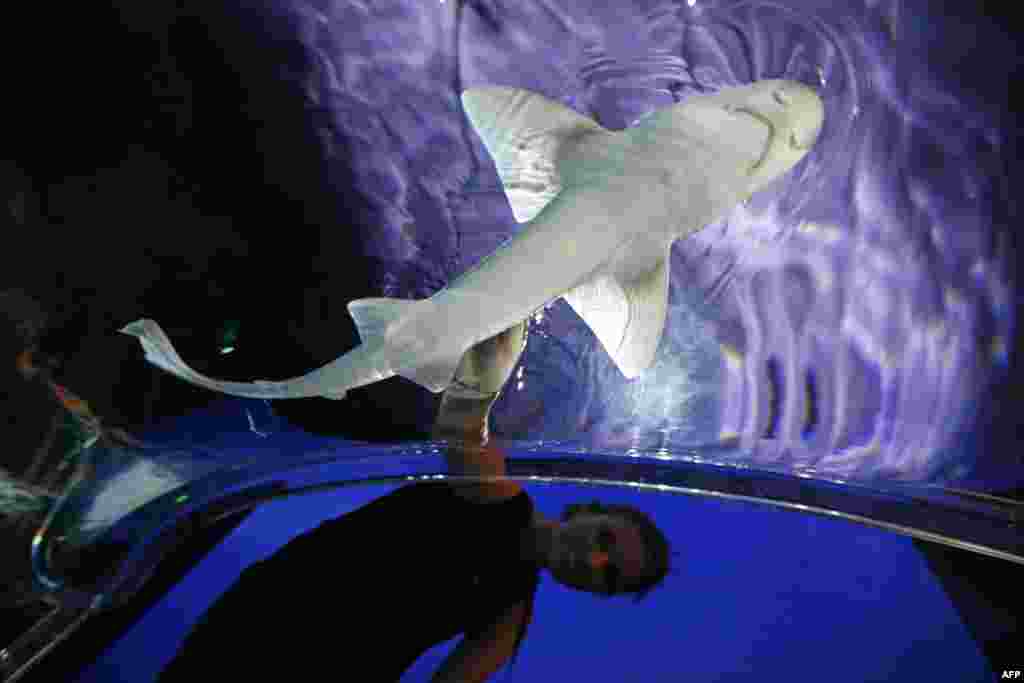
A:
(485, 492)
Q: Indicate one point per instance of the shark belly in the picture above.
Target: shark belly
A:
(574, 239)
(365, 364)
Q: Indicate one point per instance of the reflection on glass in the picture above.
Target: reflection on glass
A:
(777, 586)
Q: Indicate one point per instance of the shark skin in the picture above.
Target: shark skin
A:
(602, 209)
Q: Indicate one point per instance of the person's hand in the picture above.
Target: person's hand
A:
(486, 367)
(482, 372)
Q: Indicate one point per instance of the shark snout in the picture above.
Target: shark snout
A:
(802, 113)
(791, 113)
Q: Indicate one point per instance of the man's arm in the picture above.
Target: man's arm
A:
(466, 406)
(463, 425)
(481, 654)
(463, 421)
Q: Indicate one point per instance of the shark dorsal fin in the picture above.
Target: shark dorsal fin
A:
(380, 321)
(627, 316)
(372, 316)
(523, 132)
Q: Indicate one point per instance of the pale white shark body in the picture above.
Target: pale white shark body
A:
(602, 210)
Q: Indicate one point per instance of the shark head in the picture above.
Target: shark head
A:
(764, 127)
(789, 115)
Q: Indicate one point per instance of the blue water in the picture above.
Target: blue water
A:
(759, 593)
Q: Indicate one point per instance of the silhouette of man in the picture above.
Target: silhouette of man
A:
(361, 597)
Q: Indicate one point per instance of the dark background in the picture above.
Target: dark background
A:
(162, 164)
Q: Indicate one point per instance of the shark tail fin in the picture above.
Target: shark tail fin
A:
(523, 133)
(160, 352)
(373, 316)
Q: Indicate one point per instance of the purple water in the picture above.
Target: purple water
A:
(844, 322)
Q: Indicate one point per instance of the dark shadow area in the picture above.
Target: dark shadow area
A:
(193, 188)
(16, 620)
(985, 592)
(102, 629)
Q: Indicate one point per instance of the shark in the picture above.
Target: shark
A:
(601, 209)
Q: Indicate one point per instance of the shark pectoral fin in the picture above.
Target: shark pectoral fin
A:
(604, 307)
(436, 373)
(373, 316)
(627, 317)
(523, 132)
(648, 305)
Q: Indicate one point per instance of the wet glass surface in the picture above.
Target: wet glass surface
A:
(754, 589)
(788, 570)
(133, 495)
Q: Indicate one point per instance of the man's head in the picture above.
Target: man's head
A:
(609, 550)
